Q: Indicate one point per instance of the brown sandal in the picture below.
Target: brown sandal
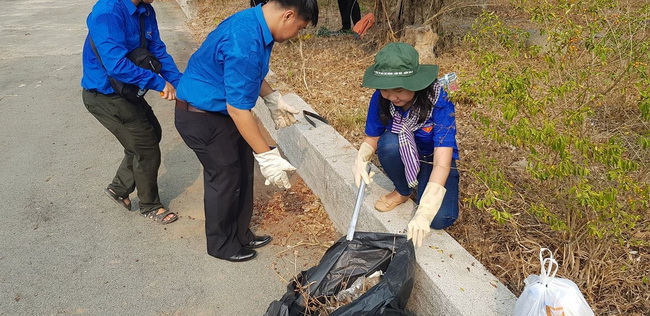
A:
(163, 217)
(119, 200)
(389, 201)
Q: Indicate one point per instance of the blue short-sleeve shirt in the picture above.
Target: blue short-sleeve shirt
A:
(439, 130)
(114, 27)
(230, 65)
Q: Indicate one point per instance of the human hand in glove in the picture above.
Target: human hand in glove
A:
(430, 202)
(361, 164)
(281, 112)
(274, 168)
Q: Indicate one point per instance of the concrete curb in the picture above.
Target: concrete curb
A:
(449, 281)
(189, 7)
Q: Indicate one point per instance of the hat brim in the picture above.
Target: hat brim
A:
(423, 78)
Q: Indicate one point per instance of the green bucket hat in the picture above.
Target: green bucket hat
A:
(397, 65)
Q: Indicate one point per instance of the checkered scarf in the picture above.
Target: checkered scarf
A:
(404, 127)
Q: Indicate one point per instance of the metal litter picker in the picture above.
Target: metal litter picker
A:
(355, 214)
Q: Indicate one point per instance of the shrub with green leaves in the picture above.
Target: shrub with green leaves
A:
(572, 109)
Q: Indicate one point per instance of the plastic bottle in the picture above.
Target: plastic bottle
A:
(449, 81)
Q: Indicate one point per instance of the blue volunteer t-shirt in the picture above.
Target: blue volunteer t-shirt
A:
(114, 26)
(439, 130)
(230, 64)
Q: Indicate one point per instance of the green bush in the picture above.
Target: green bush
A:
(573, 107)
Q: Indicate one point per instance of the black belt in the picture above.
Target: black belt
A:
(95, 92)
(188, 107)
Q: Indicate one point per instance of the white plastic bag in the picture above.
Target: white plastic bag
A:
(546, 295)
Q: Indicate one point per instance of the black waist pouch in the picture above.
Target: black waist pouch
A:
(142, 58)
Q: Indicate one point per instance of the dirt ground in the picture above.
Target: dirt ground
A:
(297, 220)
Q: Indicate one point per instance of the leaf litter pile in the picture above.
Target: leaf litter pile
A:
(297, 220)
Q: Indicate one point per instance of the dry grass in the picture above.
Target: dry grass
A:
(297, 220)
(326, 72)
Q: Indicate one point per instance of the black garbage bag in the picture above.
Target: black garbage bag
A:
(341, 265)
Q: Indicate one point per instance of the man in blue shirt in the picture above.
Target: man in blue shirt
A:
(114, 28)
(222, 82)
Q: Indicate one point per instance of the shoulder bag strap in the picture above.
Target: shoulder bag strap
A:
(92, 45)
(143, 41)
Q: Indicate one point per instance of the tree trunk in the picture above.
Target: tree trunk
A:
(393, 16)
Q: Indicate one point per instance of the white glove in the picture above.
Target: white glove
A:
(274, 168)
(430, 203)
(281, 112)
(361, 164)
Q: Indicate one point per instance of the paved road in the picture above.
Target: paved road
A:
(64, 247)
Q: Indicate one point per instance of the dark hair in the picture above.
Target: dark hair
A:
(422, 101)
(306, 9)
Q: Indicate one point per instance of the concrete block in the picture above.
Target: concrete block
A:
(189, 7)
(449, 281)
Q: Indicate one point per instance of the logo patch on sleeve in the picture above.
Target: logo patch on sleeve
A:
(428, 129)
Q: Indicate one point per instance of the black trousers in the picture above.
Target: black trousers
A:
(349, 10)
(228, 164)
(136, 127)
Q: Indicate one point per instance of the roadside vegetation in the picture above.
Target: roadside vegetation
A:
(553, 115)
(565, 121)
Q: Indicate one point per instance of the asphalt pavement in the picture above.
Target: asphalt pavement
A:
(65, 248)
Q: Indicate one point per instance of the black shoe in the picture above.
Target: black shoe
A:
(243, 255)
(258, 241)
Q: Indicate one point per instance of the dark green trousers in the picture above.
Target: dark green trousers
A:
(136, 127)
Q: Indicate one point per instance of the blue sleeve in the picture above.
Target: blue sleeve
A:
(374, 127)
(108, 35)
(242, 69)
(156, 46)
(444, 118)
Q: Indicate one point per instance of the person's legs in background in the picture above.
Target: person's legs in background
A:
(344, 11)
(350, 13)
(355, 12)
